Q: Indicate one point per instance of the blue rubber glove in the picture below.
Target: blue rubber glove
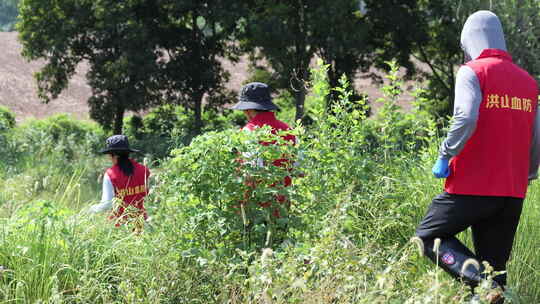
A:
(440, 169)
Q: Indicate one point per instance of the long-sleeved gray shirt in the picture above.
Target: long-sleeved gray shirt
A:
(481, 32)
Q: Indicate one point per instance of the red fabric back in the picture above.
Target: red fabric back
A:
(495, 160)
(130, 189)
(269, 119)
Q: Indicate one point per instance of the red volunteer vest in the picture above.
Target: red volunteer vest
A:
(495, 160)
(269, 119)
(130, 189)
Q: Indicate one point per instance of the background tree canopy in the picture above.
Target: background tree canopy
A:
(145, 53)
(141, 53)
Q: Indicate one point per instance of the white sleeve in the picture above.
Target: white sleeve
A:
(252, 160)
(107, 196)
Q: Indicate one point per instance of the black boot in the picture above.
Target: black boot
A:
(451, 255)
(457, 260)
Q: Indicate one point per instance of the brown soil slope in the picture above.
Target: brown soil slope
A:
(18, 90)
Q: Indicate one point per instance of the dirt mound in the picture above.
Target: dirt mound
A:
(18, 89)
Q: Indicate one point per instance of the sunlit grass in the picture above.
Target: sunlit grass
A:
(366, 186)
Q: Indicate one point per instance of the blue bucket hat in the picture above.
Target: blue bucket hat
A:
(117, 143)
(255, 96)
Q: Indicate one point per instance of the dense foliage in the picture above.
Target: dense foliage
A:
(140, 53)
(360, 186)
(167, 127)
(146, 53)
(288, 35)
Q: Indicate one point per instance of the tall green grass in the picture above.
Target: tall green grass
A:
(345, 239)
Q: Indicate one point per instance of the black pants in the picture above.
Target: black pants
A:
(493, 221)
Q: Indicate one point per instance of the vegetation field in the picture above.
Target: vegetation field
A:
(360, 187)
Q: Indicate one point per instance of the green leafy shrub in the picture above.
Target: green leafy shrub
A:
(360, 186)
(7, 119)
(39, 154)
(205, 175)
(393, 129)
(220, 188)
(7, 123)
(60, 133)
(168, 127)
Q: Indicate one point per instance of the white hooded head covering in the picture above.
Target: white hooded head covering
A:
(482, 30)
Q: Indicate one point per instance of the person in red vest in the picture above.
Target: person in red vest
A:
(489, 156)
(126, 180)
(256, 103)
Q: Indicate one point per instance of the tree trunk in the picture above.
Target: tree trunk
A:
(333, 80)
(197, 95)
(119, 119)
(302, 58)
(300, 97)
(197, 107)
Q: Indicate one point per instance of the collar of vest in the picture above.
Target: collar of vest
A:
(263, 117)
(495, 53)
